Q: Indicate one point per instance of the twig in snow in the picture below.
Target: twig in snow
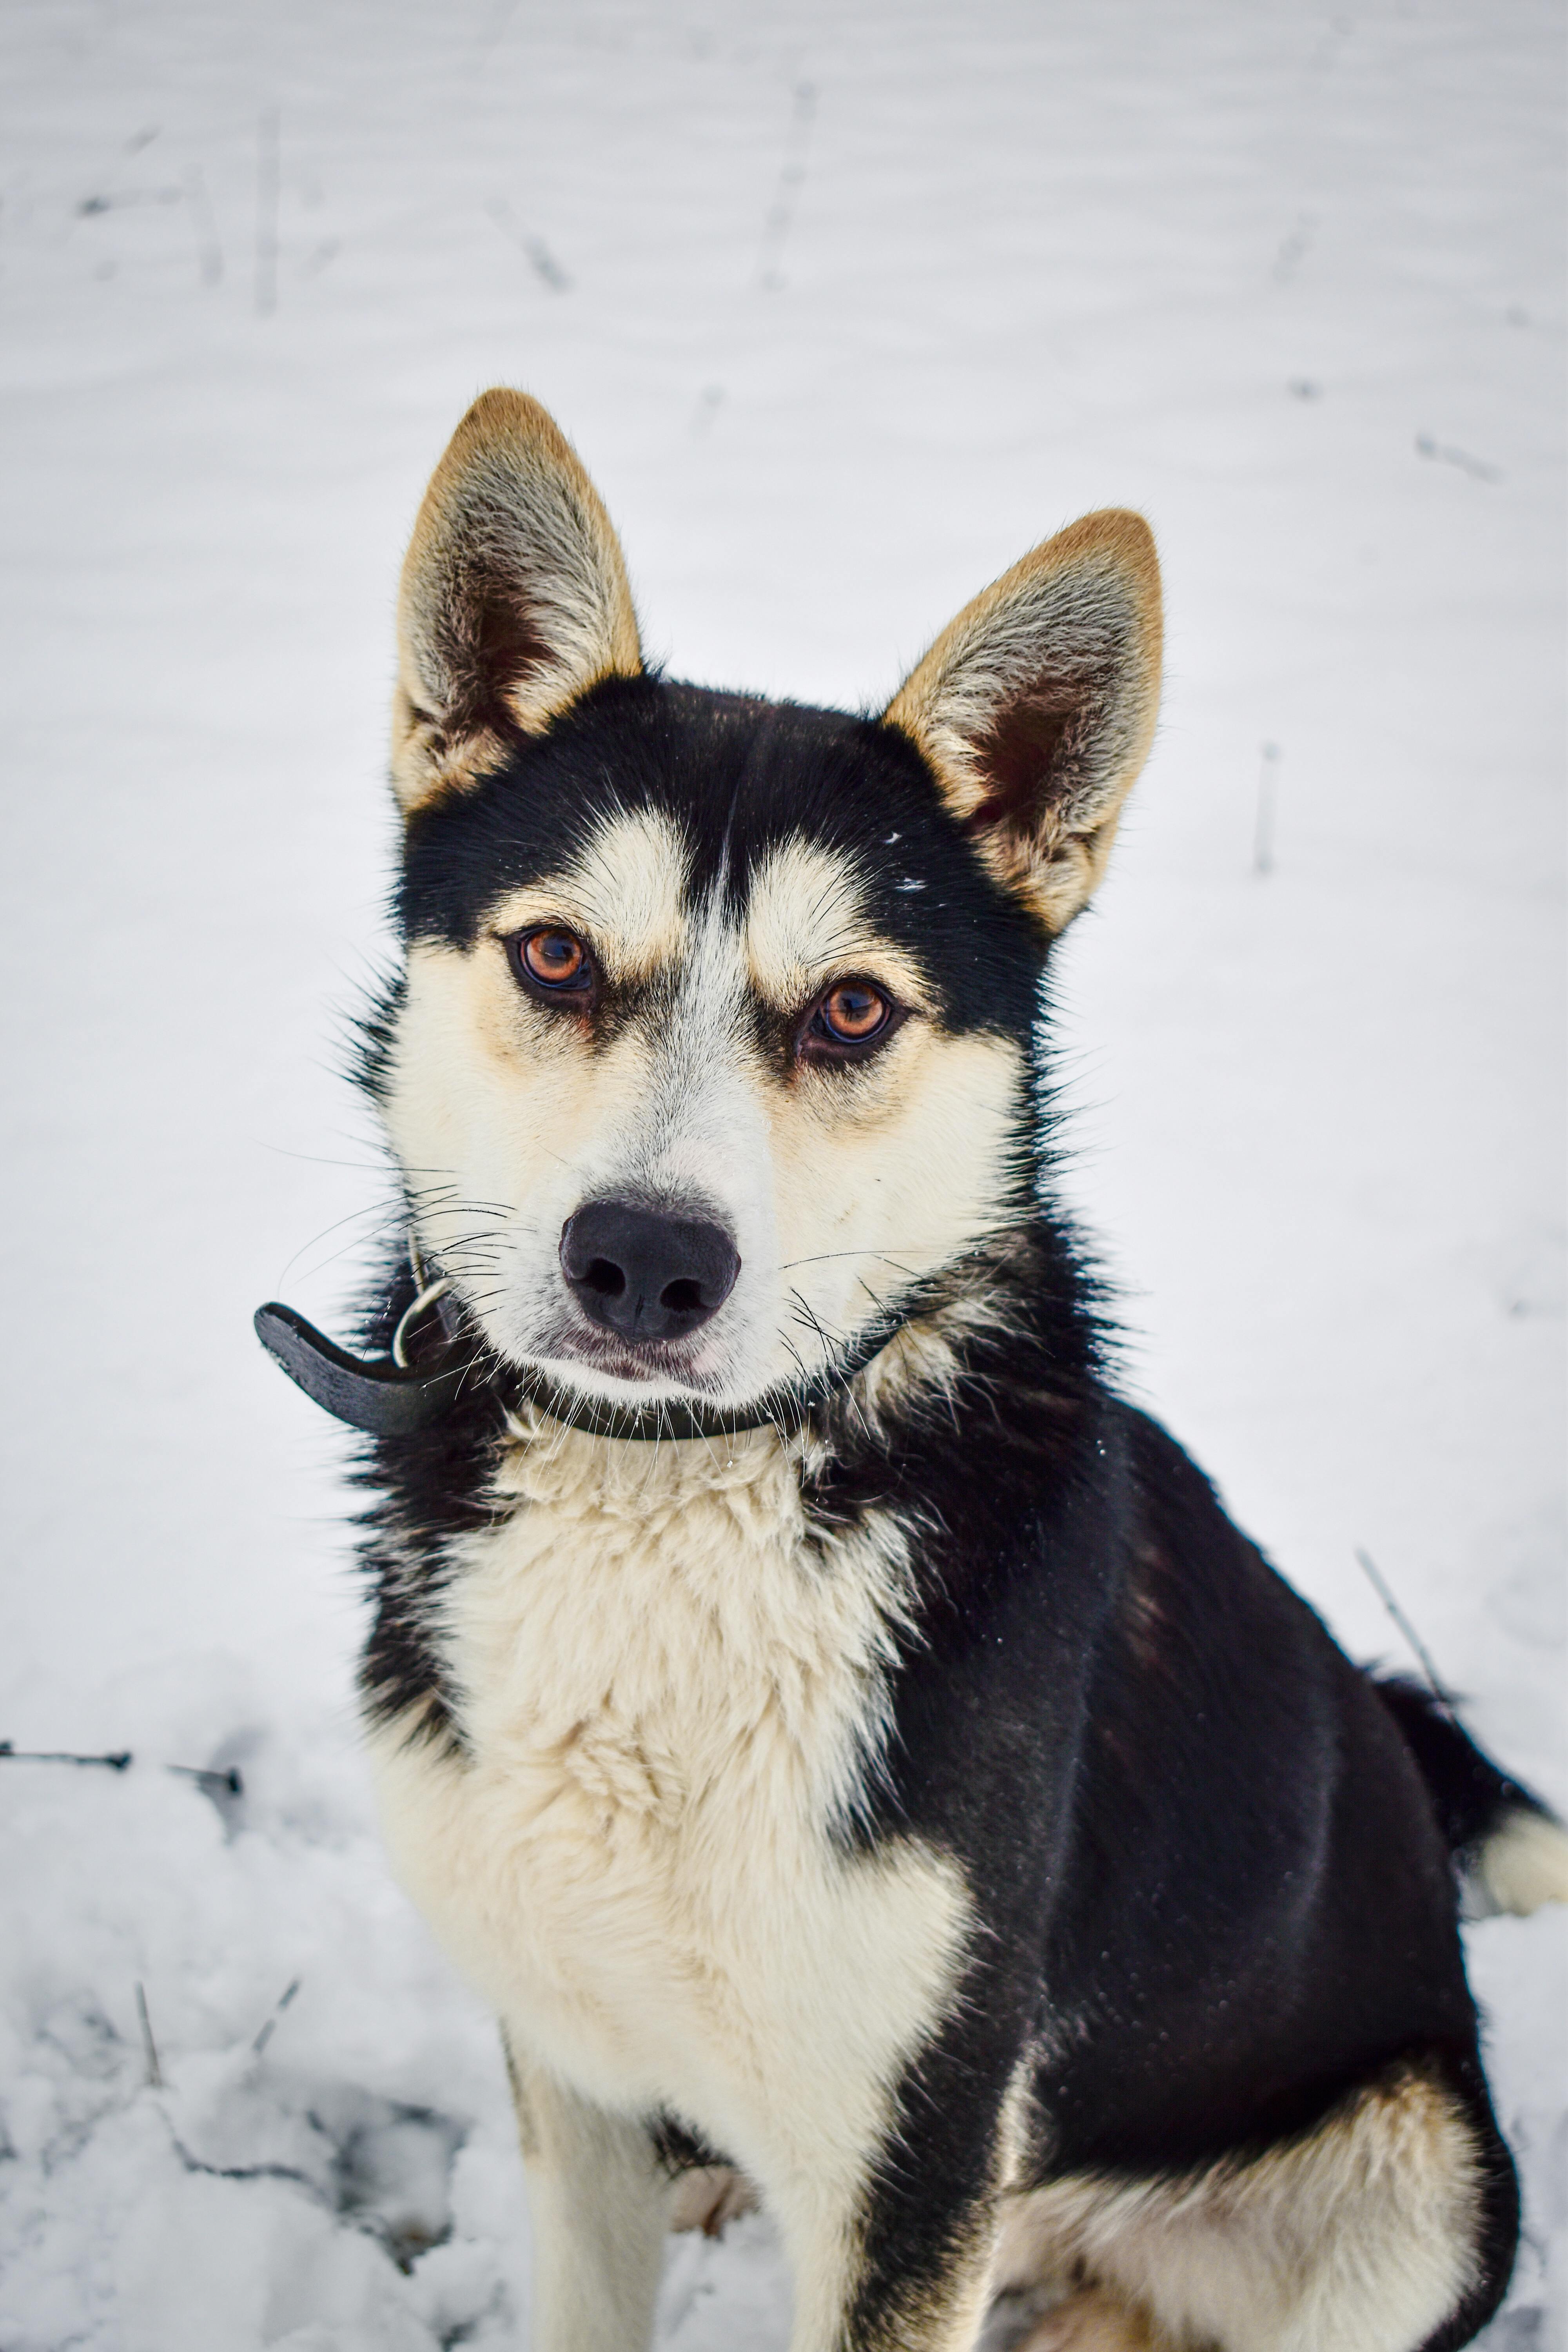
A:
(1263, 833)
(89, 206)
(150, 2048)
(533, 248)
(792, 178)
(61, 1756)
(209, 1779)
(133, 146)
(491, 36)
(268, 181)
(1293, 250)
(203, 222)
(270, 2027)
(290, 2172)
(1376, 1580)
(1446, 455)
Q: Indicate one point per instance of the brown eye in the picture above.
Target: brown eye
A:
(553, 959)
(854, 1013)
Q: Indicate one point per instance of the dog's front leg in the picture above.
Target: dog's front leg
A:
(903, 2263)
(598, 2201)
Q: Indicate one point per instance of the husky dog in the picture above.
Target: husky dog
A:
(852, 1749)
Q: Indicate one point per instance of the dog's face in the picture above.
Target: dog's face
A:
(717, 1031)
(716, 1037)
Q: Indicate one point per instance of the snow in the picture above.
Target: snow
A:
(844, 305)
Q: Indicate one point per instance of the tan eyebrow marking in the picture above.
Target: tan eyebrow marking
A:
(625, 892)
(807, 923)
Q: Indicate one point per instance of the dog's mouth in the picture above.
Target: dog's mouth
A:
(643, 1365)
(595, 1380)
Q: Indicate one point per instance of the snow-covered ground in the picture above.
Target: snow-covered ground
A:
(845, 302)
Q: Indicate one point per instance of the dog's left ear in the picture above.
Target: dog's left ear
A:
(1037, 707)
(513, 600)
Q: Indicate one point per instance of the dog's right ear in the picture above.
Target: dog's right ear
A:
(513, 600)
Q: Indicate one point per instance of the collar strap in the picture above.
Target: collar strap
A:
(385, 1398)
(373, 1393)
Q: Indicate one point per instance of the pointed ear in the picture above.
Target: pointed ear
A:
(513, 601)
(1037, 707)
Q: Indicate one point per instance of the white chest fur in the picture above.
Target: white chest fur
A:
(670, 1695)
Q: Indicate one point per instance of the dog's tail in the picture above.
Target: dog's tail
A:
(1510, 1851)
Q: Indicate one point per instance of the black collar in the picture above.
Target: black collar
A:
(385, 1398)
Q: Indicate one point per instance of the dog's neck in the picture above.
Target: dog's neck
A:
(580, 1472)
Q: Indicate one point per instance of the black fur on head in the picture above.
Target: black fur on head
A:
(738, 776)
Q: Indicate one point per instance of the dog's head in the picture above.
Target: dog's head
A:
(716, 1039)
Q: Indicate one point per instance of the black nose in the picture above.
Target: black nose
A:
(645, 1275)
